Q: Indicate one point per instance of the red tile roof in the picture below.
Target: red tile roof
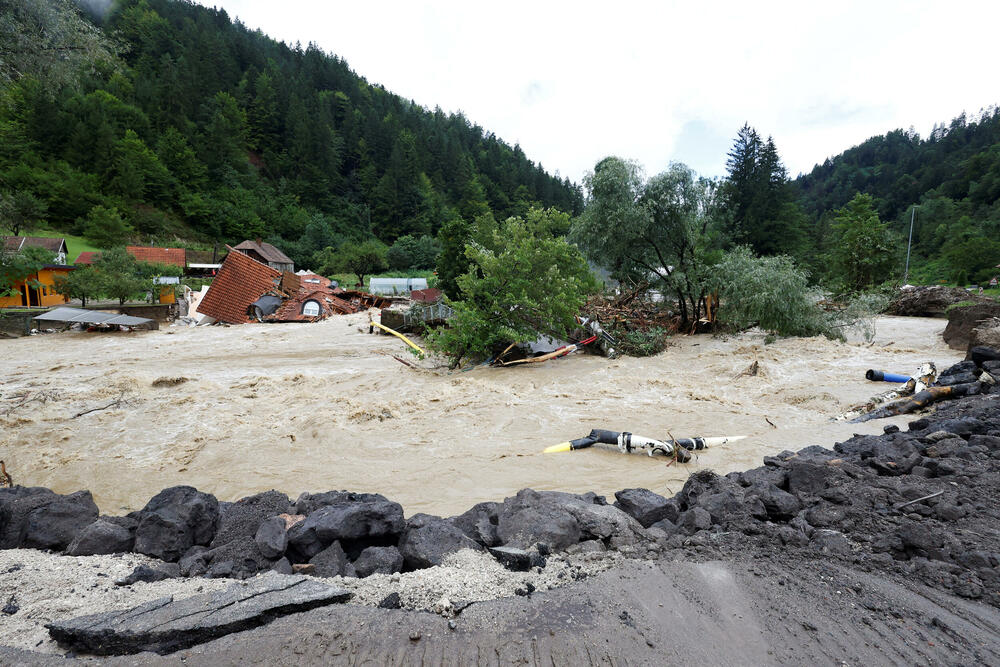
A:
(175, 256)
(88, 257)
(241, 281)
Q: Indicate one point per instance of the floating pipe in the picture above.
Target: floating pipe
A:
(882, 376)
(629, 442)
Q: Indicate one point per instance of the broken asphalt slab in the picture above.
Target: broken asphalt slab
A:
(166, 625)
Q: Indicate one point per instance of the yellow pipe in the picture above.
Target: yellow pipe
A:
(401, 337)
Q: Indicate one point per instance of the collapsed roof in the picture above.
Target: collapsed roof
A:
(246, 290)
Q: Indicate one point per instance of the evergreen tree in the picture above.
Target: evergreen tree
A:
(863, 254)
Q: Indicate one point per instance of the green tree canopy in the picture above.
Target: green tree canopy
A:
(120, 275)
(16, 267)
(83, 283)
(523, 282)
(664, 230)
(863, 254)
(106, 228)
(362, 259)
(20, 211)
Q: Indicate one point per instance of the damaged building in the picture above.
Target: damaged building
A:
(246, 290)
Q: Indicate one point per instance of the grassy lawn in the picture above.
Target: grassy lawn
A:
(74, 244)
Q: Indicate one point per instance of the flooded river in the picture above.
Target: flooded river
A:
(314, 407)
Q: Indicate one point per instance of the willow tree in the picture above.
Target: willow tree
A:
(663, 230)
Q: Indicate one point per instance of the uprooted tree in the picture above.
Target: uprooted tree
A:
(523, 281)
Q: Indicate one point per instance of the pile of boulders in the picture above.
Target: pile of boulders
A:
(923, 502)
(325, 534)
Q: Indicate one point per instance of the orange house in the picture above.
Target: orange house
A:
(38, 290)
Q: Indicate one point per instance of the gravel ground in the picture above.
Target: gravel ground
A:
(45, 587)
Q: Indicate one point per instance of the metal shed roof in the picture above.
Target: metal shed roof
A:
(67, 314)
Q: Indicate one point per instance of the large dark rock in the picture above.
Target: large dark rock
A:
(147, 574)
(889, 447)
(102, 537)
(272, 537)
(985, 356)
(308, 503)
(780, 505)
(349, 517)
(807, 478)
(194, 562)
(517, 560)
(331, 562)
(559, 520)
(243, 518)
(480, 523)
(693, 520)
(378, 560)
(646, 507)
(54, 524)
(165, 625)
(174, 520)
(428, 539)
(236, 559)
(15, 505)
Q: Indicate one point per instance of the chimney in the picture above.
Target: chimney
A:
(259, 240)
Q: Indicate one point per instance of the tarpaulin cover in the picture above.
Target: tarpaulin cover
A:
(67, 314)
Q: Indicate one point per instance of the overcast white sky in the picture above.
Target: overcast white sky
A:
(573, 82)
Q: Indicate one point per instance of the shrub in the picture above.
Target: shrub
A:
(774, 294)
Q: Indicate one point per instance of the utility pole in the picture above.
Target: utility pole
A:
(906, 271)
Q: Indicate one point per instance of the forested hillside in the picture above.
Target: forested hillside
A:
(172, 121)
(953, 178)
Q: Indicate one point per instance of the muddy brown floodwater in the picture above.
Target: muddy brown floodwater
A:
(314, 407)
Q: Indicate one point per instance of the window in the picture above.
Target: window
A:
(310, 308)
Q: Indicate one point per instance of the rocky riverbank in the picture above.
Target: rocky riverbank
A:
(919, 505)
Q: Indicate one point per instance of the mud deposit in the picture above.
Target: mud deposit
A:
(237, 410)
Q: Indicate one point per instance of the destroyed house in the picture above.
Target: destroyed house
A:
(246, 290)
(311, 297)
(265, 253)
(241, 281)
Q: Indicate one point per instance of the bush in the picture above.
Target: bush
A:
(774, 294)
(641, 342)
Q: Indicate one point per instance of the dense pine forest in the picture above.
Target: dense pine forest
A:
(171, 122)
(948, 183)
(163, 121)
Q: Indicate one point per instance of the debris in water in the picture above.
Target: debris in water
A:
(677, 448)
